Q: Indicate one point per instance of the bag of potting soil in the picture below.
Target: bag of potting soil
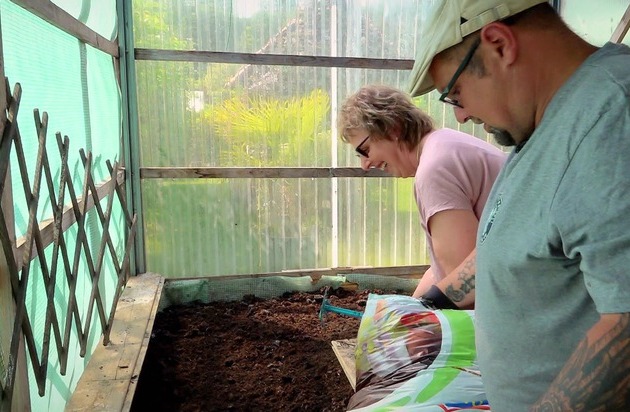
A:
(412, 358)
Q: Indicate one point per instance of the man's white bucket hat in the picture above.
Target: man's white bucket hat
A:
(448, 22)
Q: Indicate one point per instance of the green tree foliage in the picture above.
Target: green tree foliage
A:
(265, 131)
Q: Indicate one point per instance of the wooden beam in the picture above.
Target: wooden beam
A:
(3, 93)
(256, 172)
(411, 272)
(58, 17)
(111, 376)
(272, 59)
(47, 227)
(344, 350)
(19, 399)
(622, 27)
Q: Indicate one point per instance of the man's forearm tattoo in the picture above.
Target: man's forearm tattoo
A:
(467, 278)
(596, 376)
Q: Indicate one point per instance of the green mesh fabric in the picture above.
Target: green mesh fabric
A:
(76, 85)
(183, 291)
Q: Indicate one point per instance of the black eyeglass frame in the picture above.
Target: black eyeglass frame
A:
(462, 66)
(361, 151)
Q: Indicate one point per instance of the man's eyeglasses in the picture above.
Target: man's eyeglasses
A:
(444, 96)
(360, 150)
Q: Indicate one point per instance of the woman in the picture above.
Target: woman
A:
(453, 171)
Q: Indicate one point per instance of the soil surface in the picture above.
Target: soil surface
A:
(250, 355)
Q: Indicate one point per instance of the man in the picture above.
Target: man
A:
(553, 246)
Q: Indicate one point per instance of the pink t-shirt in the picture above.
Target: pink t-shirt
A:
(456, 171)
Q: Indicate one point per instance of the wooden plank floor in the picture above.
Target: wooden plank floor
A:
(110, 378)
(344, 349)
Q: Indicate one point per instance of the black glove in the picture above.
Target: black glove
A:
(434, 298)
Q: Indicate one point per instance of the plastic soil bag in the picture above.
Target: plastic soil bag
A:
(412, 358)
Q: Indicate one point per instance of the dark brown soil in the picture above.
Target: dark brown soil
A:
(250, 355)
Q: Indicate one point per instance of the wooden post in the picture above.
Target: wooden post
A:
(19, 399)
(622, 27)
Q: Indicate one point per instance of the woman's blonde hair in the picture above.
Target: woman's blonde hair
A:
(382, 111)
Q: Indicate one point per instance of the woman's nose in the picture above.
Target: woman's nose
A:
(365, 163)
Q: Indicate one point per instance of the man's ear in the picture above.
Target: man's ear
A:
(501, 42)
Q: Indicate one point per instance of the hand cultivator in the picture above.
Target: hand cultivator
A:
(328, 307)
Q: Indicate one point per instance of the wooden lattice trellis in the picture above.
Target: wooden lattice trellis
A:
(39, 236)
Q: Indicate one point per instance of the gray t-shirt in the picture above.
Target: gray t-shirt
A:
(553, 248)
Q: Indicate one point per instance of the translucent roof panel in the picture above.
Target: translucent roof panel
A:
(99, 16)
(375, 28)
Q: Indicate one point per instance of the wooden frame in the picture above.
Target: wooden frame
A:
(256, 172)
(344, 350)
(622, 27)
(410, 271)
(68, 218)
(272, 59)
(110, 380)
(18, 397)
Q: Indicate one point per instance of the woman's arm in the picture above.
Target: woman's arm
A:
(428, 279)
(457, 289)
(459, 285)
(453, 234)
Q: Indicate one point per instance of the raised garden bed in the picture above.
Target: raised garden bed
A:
(249, 355)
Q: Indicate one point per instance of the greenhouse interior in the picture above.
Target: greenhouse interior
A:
(160, 153)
